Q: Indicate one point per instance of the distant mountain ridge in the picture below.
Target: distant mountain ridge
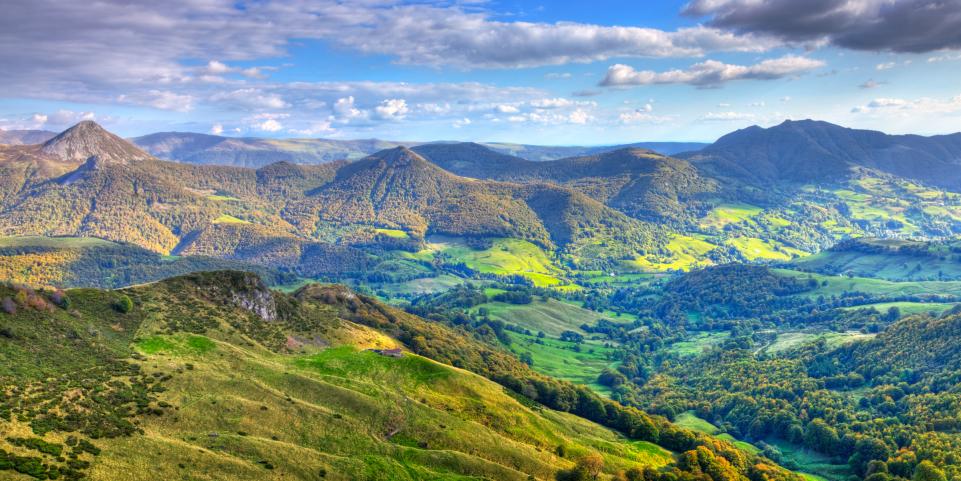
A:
(808, 150)
(25, 137)
(257, 152)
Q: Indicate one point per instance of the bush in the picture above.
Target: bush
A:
(124, 304)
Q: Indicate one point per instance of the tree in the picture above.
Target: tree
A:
(927, 471)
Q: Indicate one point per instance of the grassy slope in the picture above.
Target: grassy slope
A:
(234, 409)
(333, 410)
(837, 285)
(551, 316)
(557, 358)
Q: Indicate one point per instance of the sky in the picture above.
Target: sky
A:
(536, 72)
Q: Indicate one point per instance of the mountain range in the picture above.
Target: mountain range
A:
(755, 194)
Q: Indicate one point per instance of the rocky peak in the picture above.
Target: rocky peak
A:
(88, 140)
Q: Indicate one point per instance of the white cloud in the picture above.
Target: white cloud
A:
(507, 109)
(160, 99)
(726, 116)
(554, 103)
(270, 125)
(885, 66)
(217, 129)
(579, 116)
(642, 116)
(251, 98)
(461, 123)
(346, 111)
(712, 73)
(906, 107)
(558, 75)
(315, 128)
(392, 109)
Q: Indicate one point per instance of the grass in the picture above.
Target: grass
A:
(818, 466)
(686, 252)
(393, 233)
(939, 265)
(550, 316)
(558, 359)
(837, 285)
(229, 219)
(505, 257)
(731, 213)
(223, 198)
(755, 249)
(908, 308)
(349, 414)
(425, 285)
(792, 339)
(697, 343)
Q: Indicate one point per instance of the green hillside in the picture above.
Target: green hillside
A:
(146, 382)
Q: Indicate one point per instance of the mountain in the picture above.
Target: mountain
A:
(638, 182)
(254, 152)
(313, 220)
(88, 140)
(25, 137)
(810, 151)
(399, 189)
(547, 152)
(215, 376)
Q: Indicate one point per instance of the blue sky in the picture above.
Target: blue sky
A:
(559, 73)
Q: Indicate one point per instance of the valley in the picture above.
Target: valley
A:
(660, 317)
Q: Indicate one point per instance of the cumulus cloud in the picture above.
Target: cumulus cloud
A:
(711, 73)
(872, 25)
(507, 109)
(217, 129)
(871, 84)
(95, 51)
(392, 109)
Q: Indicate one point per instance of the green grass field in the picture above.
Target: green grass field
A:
(550, 316)
(731, 213)
(505, 257)
(837, 285)
(393, 233)
(908, 308)
(686, 252)
(229, 219)
(697, 343)
(792, 339)
(558, 359)
(755, 249)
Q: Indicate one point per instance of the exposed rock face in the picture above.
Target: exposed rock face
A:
(254, 295)
(86, 140)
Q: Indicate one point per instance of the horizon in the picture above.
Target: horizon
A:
(606, 74)
(480, 141)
